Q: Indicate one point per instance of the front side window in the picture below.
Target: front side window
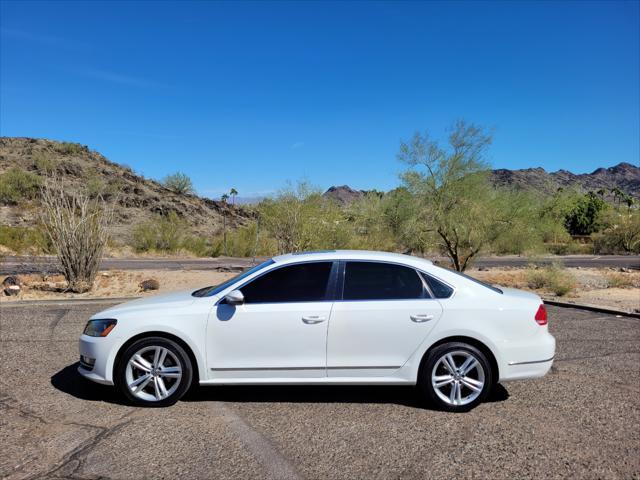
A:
(381, 281)
(303, 282)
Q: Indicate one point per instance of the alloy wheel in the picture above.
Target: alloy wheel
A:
(153, 373)
(458, 378)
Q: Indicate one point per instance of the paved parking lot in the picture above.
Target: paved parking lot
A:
(581, 421)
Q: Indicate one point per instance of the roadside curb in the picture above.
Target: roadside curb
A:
(591, 308)
(20, 303)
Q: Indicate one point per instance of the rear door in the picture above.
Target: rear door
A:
(383, 315)
(281, 329)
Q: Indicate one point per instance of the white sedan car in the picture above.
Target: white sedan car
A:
(332, 318)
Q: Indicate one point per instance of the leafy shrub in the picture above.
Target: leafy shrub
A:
(17, 184)
(619, 280)
(553, 278)
(25, 240)
(621, 235)
(179, 183)
(70, 148)
(202, 247)
(570, 248)
(44, 164)
(162, 234)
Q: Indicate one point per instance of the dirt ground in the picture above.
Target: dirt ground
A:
(602, 287)
(599, 287)
(115, 284)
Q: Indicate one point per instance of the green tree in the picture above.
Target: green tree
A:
(300, 219)
(179, 183)
(585, 216)
(233, 192)
(456, 208)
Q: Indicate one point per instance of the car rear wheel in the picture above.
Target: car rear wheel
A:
(154, 372)
(456, 377)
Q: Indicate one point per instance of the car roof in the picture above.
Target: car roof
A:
(349, 255)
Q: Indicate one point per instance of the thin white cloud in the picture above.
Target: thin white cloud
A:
(297, 145)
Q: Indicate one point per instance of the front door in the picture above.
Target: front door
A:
(384, 315)
(280, 331)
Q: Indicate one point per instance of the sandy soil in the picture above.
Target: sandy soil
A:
(597, 287)
(117, 284)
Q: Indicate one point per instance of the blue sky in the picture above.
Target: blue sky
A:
(250, 95)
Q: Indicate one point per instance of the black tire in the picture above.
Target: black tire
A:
(176, 358)
(458, 350)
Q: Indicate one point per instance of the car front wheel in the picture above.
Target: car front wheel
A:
(154, 372)
(456, 377)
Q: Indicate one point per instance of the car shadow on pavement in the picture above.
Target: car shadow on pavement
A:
(69, 381)
(401, 395)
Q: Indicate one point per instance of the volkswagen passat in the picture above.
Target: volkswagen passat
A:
(334, 317)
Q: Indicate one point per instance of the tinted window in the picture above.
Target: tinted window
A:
(304, 282)
(439, 289)
(381, 281)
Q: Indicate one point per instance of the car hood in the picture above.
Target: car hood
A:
(167, 301)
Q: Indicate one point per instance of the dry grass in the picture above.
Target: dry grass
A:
(116, 283)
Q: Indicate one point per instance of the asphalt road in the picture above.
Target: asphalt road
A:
(21, 265)
(580, 421)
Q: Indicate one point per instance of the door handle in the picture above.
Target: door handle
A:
(313, 319)
(421, 318)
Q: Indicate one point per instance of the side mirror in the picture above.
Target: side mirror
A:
(234, 298)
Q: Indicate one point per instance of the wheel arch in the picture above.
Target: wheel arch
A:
(169, 336)
(464, 339)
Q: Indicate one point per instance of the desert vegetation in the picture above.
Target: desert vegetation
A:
(77, 227)
(448, 203)
(178, 182)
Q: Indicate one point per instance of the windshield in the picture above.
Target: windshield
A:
(210, 291)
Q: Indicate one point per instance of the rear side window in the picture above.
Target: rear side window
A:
(439, 289)
(381, 281)
(303, 282)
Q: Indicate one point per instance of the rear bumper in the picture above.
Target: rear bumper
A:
(530, 359)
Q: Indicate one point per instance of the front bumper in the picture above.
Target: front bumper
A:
(101, 349)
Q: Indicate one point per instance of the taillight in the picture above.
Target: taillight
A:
(541, 315)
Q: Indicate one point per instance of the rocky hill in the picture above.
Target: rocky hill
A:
(343, 194)
(623, 176)
(137, 198)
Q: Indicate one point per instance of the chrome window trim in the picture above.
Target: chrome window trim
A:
(339, 288)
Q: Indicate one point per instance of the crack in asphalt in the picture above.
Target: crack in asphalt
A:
(76, 458)
(276, 466)
(60, 314)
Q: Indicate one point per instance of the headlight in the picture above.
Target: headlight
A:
(99, 328)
